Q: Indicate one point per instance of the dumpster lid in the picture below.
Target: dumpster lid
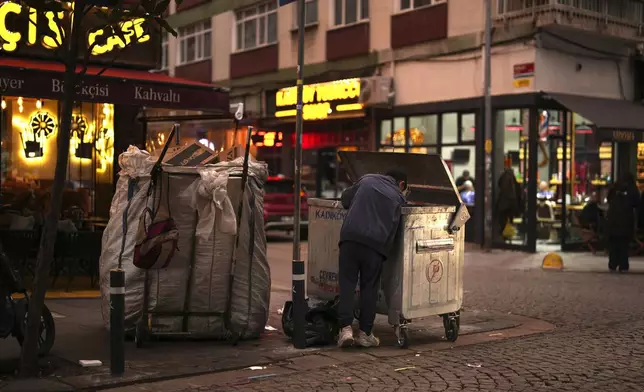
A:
(429, 178)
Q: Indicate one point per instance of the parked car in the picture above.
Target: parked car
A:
(279, 205)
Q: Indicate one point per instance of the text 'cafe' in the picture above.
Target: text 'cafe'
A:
(105, 114)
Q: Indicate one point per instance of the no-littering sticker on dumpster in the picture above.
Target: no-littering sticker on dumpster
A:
(434, 271)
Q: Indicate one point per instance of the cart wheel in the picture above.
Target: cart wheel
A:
(402, 336)
(140, 336)
(451, 330)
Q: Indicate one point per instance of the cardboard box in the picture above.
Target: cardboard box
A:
(195, 154)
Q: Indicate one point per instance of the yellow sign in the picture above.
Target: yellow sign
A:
(520, 83)
(317, 99)
(488, 146)
(552, 261)
(131, 30)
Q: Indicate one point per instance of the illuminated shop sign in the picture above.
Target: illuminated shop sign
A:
(321, 100)
(22, 27)
(622, 136)
(267, 139)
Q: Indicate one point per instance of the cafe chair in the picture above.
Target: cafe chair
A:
(546, 220)
(590, 239)
(66, 260)
(89, 253)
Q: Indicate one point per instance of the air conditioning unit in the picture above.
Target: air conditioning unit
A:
(377, 91)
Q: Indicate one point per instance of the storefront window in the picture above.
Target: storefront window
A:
(468, 127)
(588, 174)
(29, 131)
(392, 135)
(385, 132)
(423, 130)
(450, 128)
(462, 158)
(511, 164)
(398, 136)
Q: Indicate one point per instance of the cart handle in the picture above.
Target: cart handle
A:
(429, 246)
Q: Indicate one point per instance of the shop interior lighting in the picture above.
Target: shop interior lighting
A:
(86, 140)
(39, 104)
(3, 104)
(35, 132)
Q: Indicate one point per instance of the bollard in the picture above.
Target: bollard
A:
(117, 322)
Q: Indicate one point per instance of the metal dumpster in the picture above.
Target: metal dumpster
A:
(423, 276)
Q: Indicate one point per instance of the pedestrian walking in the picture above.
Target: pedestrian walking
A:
(623, 200)
(366, 238)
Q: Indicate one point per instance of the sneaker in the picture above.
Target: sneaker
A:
(364, 340)
(345, 338)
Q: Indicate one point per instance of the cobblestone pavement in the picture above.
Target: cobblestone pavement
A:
(597, 346)
(600, 359)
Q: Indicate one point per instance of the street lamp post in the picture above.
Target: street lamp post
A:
(487, 104)
(299, 276)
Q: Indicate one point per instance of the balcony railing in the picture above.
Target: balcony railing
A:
(624, 18)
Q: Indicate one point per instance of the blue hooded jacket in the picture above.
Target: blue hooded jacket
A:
(374, 204)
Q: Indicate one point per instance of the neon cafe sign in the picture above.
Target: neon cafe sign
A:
(27, 32)
(320, 100)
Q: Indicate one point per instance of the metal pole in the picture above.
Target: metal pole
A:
(487, 78)
(117, 322)
(299, 275)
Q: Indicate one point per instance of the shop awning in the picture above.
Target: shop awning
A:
(44, 79)
(606, 114)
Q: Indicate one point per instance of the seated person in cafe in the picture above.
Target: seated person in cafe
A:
(467, 194)
(460, 181)
(544, 191)
(591, 215)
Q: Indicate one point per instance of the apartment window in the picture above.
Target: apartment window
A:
(311, 13)
(350, 11)
(413, 4)
(256, 26)
(164, 50)
(194, 42)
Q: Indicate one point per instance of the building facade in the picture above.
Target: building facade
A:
(566, 85)
(113, 92)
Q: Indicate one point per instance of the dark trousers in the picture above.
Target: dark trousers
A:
(618, 250)
(357, 259)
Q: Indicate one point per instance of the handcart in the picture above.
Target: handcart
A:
(423, 276)
(149, 323)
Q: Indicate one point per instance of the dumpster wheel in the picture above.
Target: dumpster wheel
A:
(452, 324)
(402, 336)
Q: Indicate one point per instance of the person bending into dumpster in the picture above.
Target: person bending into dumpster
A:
(366, 238)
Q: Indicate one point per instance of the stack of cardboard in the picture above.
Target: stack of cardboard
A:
(197, 154)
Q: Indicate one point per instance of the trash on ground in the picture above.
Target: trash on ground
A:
(404, 368)
(257, 367)
(418, 355)
(280, 311)
(90, 363)
(474, 365)
(269, 328)
(262, 376)
(495, 334)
